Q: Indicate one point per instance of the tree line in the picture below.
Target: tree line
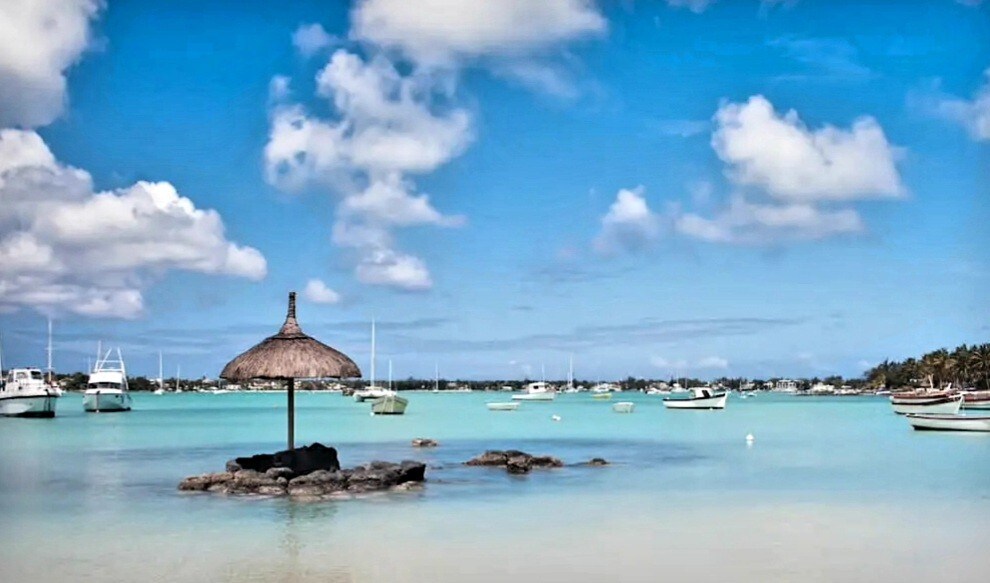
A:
(963, 367)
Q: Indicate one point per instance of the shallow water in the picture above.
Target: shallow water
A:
(831, 489)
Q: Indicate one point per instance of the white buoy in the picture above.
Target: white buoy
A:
(750, 438)
(555, 417)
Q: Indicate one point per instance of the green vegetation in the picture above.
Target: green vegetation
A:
(965, 366)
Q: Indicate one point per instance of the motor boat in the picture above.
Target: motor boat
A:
(511, 406)
(939, 405)
(106, 390)
(538, 391)
(25, 393)
(623, 407)
(936, 422)
(389, 404)
(701, 398)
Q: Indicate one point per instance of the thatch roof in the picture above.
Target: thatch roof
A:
(290, 354)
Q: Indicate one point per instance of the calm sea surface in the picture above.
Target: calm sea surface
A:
(832, 489)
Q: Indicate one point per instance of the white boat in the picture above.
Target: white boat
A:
(623, 407)
(25, 393)
(511, 406)
(601, 396)
(106, 390)
(389, 403)
(943, 405)
(701, 398)
(930, 422)
(538, 391)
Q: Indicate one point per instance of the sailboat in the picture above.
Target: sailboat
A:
(372, 392)
(436, 377)
(570, 378)
(390, 403)
(161, 380)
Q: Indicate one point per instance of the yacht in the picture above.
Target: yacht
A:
(106, 391)
(701, 398)
(538, 391)
(25, 393)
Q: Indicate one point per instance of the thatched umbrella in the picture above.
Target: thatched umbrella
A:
(290, 355)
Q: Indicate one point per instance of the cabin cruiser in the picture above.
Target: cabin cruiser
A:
(538, 391)
(24, 393)
(106, 390)
(701, 398)
(370, 393)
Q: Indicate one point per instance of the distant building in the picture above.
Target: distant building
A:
(786, 385)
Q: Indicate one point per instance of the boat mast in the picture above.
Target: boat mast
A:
(49, 351)
(436, 376)
(161, 376)
(372, 352)
(1, 359)
(570, 374)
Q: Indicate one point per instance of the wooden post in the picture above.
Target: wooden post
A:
(292, 414)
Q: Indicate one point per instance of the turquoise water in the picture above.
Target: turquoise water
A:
(832, 488)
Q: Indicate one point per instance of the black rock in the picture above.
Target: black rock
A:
(514, 461)
(302, 460)
(424, 442)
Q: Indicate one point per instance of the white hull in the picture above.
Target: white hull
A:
(977, 405)
(716, 402)
(623, 407)
(949, 423)
(37, 406)
(106, 402)
(502, 406)
(389, 405)
(534, 397)
(950, 407)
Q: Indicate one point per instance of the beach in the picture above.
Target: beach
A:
(830, 489)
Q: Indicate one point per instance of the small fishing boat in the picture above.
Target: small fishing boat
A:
(976, 400)
(538, 391)
(601, 396)
(512, 406)
(623, 407)
(939, 405)
(106, 390)
(932, 422)
(701, 398)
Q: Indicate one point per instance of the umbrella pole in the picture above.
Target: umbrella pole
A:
(292, 414)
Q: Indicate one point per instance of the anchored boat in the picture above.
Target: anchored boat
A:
(106, 391)
(949, 422)
(538, 391)
(701, 398)
(502, 406)
(940, 404)
(623, 407)
(976, 400)
(25, 393)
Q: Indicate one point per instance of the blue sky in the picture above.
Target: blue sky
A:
(620, 182)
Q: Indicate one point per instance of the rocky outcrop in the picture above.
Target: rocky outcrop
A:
(424, 442)
(597, 461)
(514, 461)
(311, 474)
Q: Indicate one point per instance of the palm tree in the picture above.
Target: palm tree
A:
(980, 362)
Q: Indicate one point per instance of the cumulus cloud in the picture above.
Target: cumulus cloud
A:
(387, 127)
(753, 223)
(66, 247)
(39, 41)
(444, 33)
(317, 292)
(629, 224)
(974, 115)
(310, 39)
(793, 163)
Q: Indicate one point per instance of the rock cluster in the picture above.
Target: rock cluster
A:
(312, 471)
(424, 442)
(514, 461)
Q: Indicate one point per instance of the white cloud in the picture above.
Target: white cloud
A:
(278, 89)
(973, 115)
(795, 164)
(66, 247)
(665, 363)
(310, 39)
(696, 6)
(317, 292)
(744, 222)
(713, 362)
(39, 41)
(628, 225)
(388, 126)
(444, 33)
